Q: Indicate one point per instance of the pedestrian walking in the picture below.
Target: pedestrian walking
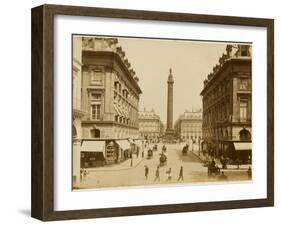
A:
(223, 176)
(223, 162)
(238, 162)
(181, 174)
(249, 173)
(169, 173)
(164, 148)
(146, 172)
(83, 174)
(157, 174)
(138, 151)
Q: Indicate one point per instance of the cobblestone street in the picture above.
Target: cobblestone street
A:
(125, 175)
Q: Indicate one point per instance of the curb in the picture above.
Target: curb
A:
(197, 156)
(119, 169)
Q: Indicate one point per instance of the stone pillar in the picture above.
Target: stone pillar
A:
(170, 82)
(76, 162)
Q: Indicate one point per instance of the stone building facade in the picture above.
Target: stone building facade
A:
(77, 113)
(150, 125)
(188, 126)
(227, 105)
(110, 91)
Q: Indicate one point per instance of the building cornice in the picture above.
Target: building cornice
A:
(109, 123)
(78, 113)
(115, 58)
(221, 69)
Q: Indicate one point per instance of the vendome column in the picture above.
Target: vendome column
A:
(169, 129)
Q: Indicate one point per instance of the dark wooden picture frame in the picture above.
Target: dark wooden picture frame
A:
(42, 203)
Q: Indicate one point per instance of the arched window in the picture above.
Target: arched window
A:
(244, 134)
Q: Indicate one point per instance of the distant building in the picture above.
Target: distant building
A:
(150, 125)
(188, 126)
(110, 90)
(227, 105)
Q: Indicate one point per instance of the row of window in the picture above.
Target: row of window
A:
(149, 124)
(121, 119)
(243, 83)
(123, 94)
(187, 127)
(96, 114)
(149, 129)
(191, 137)
(192, 131)
(96, 77)
(243, 134)
(244, 113)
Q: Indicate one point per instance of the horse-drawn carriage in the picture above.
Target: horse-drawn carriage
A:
(185, 150)
(163, 160)
(213, 169)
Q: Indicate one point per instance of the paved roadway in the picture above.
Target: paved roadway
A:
(193, 171)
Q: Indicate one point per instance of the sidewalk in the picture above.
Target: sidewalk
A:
(243, 167)
(119, 166)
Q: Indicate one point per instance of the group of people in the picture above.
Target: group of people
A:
(214, 168)
(168, 172)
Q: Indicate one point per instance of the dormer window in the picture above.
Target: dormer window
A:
(244, 50)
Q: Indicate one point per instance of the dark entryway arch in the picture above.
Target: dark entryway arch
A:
(244, 135)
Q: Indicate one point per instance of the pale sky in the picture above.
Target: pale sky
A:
(191, 62)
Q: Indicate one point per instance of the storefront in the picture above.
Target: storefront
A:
(125, 147)
(92, 154)
(243, 151)
(140, 144)
(237, 150)
(134, 147)
(112, 152)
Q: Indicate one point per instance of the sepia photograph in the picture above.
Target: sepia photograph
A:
(160, 112)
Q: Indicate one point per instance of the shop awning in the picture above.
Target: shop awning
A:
(93, 146)
(242, 146)
(139, 142)
(124, 144)
(131, 141)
